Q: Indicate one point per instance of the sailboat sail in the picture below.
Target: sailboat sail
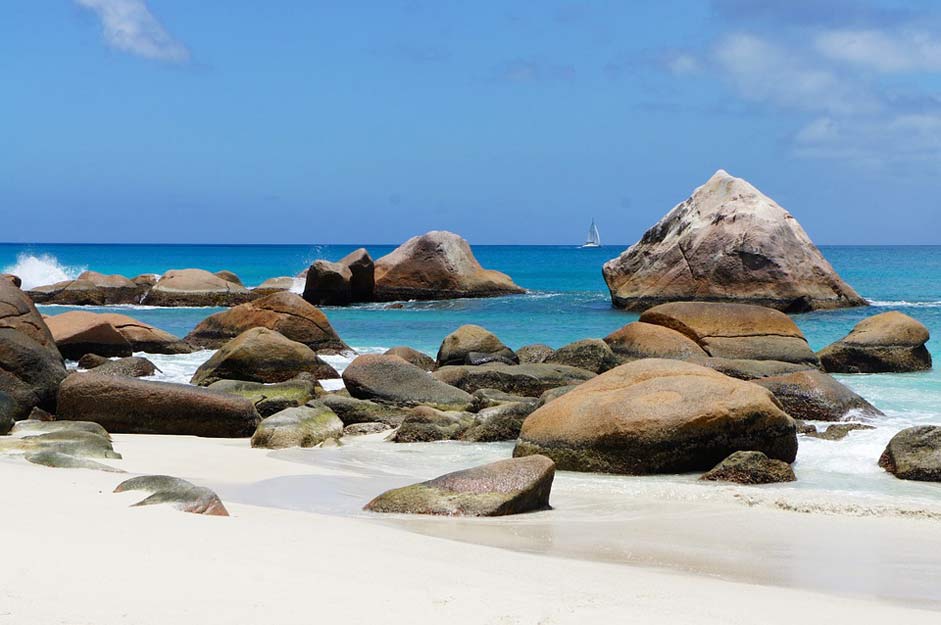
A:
(594, 237)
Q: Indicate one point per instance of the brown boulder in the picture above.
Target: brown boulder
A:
(286, 313)
(195, 287)
(533, 354)
(890, 342)
(472, 344)
(657, 416)
(362, 275)
(89, 289)
(229, 276)
(504, 487)
(914, 454)
(736, 331)
(417, 358)
(328, 284)
(437, 265)
(529, 380)
(645, 340)
(78, 333)
(134, 406)
(274, 285)
(727, 243)
(262, 355)
(750, 467)
(590, 354)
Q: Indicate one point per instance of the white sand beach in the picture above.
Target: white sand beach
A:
(76, 553)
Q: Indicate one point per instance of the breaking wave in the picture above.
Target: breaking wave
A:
(41, 270)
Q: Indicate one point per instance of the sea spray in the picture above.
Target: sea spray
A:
(41, 270)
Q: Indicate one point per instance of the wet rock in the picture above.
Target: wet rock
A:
(914, 454)
(527, 380)
(657, 416)
(286, 313)
(590, 354)
(8, 410)
(303, 426)
(646, 340)
(262, 355)
(59, 460)
(750, 467)
(499, 423)
(505, 487)
(180, 494)
(328, 284)
(362, 429)
(390, 379)
(887, 343)
(424, 424)
(132, 367)
(534, 354)
(269, 398)
(437, 265)
(816, 396)
(837, 431)
(196, 287)
(31, 366)
(134, 406)
(417, 358)
(736, 331)
(472, 342)
(352, 410)
(729, 243)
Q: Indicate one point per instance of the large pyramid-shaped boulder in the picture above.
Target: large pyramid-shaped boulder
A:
(437, 265)
(727, 242)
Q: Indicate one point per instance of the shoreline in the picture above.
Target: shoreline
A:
(516, 563)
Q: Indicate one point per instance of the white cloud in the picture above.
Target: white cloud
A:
(873, 141)
(764, 72)
(682, 64)
(128, 25)
(882, 51)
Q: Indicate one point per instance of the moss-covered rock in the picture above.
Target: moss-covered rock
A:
(352, 410)
(269, 398)
(505, 487)
(73, 443)
(303, 426)
(425, 424)
(750, 467)
(527, 380)
(34, 426)
(590, 354)
(498, 423)
(180, 494)
(391, 380)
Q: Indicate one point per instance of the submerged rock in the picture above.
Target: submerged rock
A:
(303, 426)
(736, 331)
(134, 406)
(657, 416)
(505, 487)
(471, 345)
(392, 380)
(727, 243)
(750, 467)
(286, 313)
(196, 287)
(837, 431)
(262, 355)
(816, 396)
(528, 380)
(590, 354)
(437, 265)
(914, 454)
(180, 494)
(890, 342)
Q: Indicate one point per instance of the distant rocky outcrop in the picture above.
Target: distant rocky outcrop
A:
(727, 243)
(657, 416)
(437, 265)
(891, 342)
(504, 487)
(286, 313)
(196, 287)
(90, 288)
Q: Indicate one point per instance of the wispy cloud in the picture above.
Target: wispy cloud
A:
(882, 51)
(129, 26)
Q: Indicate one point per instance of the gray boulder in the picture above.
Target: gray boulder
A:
(303, 426)
(389, 379)
(914, 454)
(816, 396)
(528, 380)
(750, 467)
(590, 354)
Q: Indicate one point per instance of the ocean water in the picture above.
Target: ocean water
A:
(566, 300)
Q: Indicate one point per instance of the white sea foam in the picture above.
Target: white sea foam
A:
(41, 270)
(903, 304)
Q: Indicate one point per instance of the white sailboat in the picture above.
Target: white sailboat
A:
(594, 237)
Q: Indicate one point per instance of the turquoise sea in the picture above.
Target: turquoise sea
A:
(566, 300)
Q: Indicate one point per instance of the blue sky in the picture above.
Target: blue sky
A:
(506, 121)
